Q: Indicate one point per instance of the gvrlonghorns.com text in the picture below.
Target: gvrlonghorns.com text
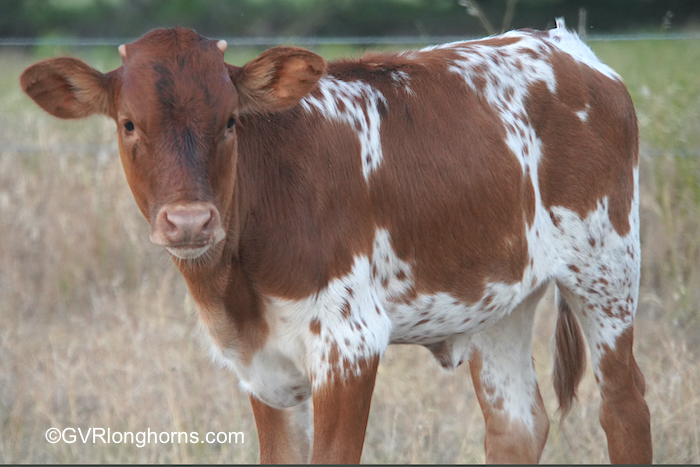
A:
(97, 435)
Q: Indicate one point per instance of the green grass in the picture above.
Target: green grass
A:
(96, 329)
(662, 80)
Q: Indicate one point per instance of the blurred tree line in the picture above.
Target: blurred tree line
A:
(130, 18)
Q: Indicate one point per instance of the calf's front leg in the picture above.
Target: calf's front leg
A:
(284, 434)
(341, 408)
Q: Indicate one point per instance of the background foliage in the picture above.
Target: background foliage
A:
(225, 18)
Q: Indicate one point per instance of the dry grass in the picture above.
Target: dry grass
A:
(96, 329)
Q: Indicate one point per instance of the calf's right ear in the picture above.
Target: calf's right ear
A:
(68, 88)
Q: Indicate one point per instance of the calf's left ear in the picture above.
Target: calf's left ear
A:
(68, 88)
(277, 79)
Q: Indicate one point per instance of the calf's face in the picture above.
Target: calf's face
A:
(176, 102)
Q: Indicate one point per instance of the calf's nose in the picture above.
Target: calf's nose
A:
(191, 224)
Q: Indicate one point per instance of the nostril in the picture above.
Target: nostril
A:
(169, 224)
(193, 224)
(171, 228)
(200, 220)
(210, 222)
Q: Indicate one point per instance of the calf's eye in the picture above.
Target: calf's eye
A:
(129, 126)
(231, 122)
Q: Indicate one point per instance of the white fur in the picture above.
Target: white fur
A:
(188, 253)
(361, 335)
(507, 373)
(360, 111)
(569, 42)
(618, 264)
(401, 78)
(293, 356)
(583, 114)
(386, 268)
(274, 376)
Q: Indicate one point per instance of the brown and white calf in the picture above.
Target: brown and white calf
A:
(320, 212)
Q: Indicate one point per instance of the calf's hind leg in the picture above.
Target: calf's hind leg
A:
(506, 387)
(624, 414)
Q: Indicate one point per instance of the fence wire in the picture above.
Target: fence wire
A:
(320, 41)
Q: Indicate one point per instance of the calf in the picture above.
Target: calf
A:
(320, 212)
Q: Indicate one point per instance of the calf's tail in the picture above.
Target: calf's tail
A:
(569, 356)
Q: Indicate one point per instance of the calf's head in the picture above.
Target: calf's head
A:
(176, 103)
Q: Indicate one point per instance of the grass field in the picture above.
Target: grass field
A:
(96, 329)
